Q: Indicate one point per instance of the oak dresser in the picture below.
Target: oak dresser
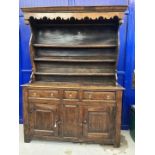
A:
(73, 94)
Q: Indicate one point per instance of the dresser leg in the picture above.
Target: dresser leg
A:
(27, 140)
(117, 140)
(116, 145)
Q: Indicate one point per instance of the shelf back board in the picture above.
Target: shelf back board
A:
(76, 35)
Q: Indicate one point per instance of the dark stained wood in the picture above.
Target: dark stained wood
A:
(43, 45)
(80, 68)
(44, 119)
(72, 85)
(77, 12)
(77, 53)
(75, 46)
(27, 137)
(99, 95)
(87, 59)
(70, 120)
(46, 94)
(97, 121)
(118, 118)
(86, 79)
(73, 93)
(117, 8)
(81, 36)
(81, 113)
(32, 56)
(75, 74)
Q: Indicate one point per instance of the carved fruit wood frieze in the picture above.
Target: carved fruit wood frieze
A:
(73, 20)
(74, 13)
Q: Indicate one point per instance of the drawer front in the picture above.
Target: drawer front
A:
(44, 93)
(98, 95)
(71, 94)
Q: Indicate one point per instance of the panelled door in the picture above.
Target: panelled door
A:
(44, 119)
(98, 121)
(70, 121)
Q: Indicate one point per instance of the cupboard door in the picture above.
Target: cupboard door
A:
(98, 121)
(70, 119)
(43, 119)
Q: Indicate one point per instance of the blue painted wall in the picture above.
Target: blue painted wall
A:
(126, 62)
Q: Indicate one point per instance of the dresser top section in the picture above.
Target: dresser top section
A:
(77, 12)
(70, 85)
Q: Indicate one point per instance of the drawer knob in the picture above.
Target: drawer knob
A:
(89, 96)
(34, 94)
(85, 122)
(70, 95)
(52, 94)
(108, 97)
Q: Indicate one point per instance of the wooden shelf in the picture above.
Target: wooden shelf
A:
(74, 46)
(47, 59)
(75, 24)
(75, 74)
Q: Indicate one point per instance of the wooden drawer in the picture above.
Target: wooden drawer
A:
(71, 94)
(98, 95)
(44, 93)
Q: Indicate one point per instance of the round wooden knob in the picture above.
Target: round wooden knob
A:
(108, 97)
(84, 122)
(89, 96)
(52, 94)
(70, 95)
(34, 94)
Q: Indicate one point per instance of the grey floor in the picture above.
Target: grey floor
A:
(66, 148)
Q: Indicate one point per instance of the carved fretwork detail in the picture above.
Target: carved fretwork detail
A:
(72, 20)
(31, 78)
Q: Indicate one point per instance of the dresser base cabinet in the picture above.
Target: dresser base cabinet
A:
(89, 114)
